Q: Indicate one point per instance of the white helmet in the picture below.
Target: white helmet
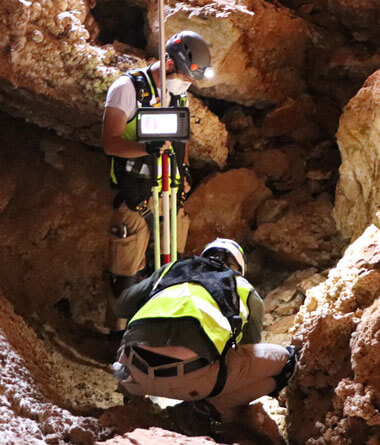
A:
(224, 249)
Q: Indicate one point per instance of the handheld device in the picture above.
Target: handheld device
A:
(164, 123)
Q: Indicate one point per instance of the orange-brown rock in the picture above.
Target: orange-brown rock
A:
(53, 226)
(358, 190)
(283, 168)
(224, 205)
(209, 138)
(266, 420)
(336, 392)
(293, 118)
(258, 48)
(365, 347)
(345, 50)
(282, 304)
(304, 234)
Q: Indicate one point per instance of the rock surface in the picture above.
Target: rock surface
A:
(224, 205)
(358, 190)
(300, 230)
(283, 303)
(33, 385)
(361, 17)
(258, 51)
(157, 436)
(53, 224)
(335, 394)
(291, 71)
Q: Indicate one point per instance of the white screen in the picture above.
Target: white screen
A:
(159, 123)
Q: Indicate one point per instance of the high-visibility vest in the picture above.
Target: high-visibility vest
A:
(140, 167)
(193, 300)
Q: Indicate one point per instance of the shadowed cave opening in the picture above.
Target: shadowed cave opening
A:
(121, 21)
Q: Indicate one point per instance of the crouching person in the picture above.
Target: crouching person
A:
(193, 335)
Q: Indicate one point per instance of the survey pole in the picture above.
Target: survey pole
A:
(165, 156)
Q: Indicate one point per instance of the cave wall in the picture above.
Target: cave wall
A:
(335, 394)
(53, 225)
(285, 71)
(358, 190)
(267, 119)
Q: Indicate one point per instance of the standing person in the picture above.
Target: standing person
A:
(192, 334)
(187, 58)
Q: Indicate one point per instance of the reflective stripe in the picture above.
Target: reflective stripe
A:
(112, 172)
(244, 289)
(162, 275)
(205, 306)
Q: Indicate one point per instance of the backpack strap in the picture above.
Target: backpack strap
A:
(143, 90)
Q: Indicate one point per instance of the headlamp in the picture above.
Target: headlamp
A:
(208, 73)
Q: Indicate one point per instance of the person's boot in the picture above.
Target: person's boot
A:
(196, 418)
(287, 372)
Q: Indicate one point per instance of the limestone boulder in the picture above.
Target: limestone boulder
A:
(345, 41)
(365, 345)
(335, 393)
(283, 168)
(258, 48)
(358, 190)
(224, 205)
(299, 230)
(208, 135)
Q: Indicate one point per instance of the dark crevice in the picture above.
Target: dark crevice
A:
(121, 21)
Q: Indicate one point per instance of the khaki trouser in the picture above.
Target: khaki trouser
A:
(249, 371)
(127, 255)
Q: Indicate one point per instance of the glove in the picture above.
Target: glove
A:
(154, 147)
(187, 174)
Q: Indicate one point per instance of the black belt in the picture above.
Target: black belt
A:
(171, 371)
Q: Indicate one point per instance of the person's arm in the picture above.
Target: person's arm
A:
(120, 106)
(252, 330)
(114, 122)
(132, 298)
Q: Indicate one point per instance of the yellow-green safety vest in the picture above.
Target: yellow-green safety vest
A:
(193, 300)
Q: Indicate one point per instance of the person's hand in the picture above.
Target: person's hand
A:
(157, 147)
